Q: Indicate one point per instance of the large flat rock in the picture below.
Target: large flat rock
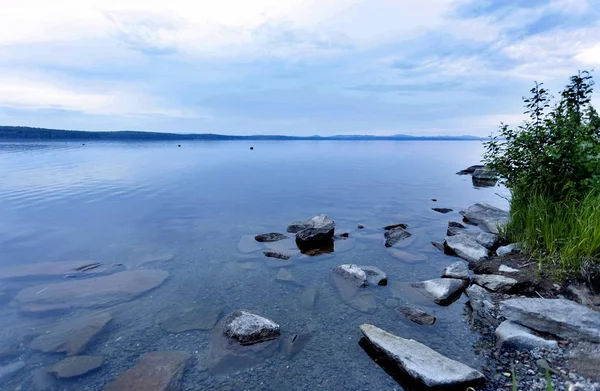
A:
(441, 290)
(487, 216)
(495, 282)
(421, 362)
(395, 235)
(75, 366)
(510, 335)
(91, 292)
(157, 371)
(71, 336)
(47, 269)
(560, 317)
(466, 248)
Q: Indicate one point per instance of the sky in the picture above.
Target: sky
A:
(292, 67)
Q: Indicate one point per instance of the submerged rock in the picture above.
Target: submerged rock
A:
(71, 336)
(441, 290)
(466, 248)
(309, 298)
(284, 275)
(511, 335)
(416, 315)
(405, 256)
(48, 269)
(456, 270)
(8, 371)
(438, 245)
(560, 317)
(375, 275)
(421, 362)
(75, 366)
(395, 235)
(248, 328)
(442, 210)
(272, 254)
(157, 371)
(352, 273)
(196, 318)
(495, 282)
(294, 344)
(91, 292)
(270, 237)
(486, 216)
(350, 281)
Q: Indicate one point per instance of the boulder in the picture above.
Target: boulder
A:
(495, 283)
(507, 250)
(481, 302)
(75, 366)
(456, 270)
(486, 216)
(442, 210)
(157, 371)
(276, 255)
(484, 174)
(441, 290)
(470, 170)
(510, 335)
(421, 362)
(395, 235)
(270, 237)
(416, 315)
(311, 238)
(353, 274)
(560, 317)
(248, 328)
(321, 222)
(466, 248)
(375, 276)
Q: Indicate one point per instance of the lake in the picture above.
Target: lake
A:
(89, 211)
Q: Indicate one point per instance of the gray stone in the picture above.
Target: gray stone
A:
(486, 239)
(395, 235)
(270, 237)
(284, 275)
(416, 315)
(405, 256)
(248, 328)
(196, 318)
(506, 269)
(272, 254)
(394, 226)
(440, 290)
(560, 317)
(75, 366)
(481, 301)
(375, 275)
(466, 248)
(421, 362)
(507, 250)
(486, 216)
(313, 237)
(456, 270)
(352, 273)
(511, 335)
(442, 210)
(157, 371)
(470, 170)
(321, 222)
(495, 283)
(71, 336)
(7, 371)
(438, 245)
(484, 174)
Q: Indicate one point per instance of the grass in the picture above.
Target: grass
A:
(563, 235)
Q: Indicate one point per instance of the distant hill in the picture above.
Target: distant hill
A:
(28, 133)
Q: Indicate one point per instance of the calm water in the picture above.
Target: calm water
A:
(189, 211)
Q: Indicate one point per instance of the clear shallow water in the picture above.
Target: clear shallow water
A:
(185, 210)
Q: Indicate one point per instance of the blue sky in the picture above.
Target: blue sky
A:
(301, 67)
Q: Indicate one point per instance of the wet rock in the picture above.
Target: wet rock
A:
(284, 275)
(75, 366)
(486, 239)
(421, 362)
(352, 273)
(416, 315)
(48, 269)
(470, 170)
(360, 226)
(481, 302)
(309, 298)
(363, 301)
(507, 250)
(394, 226)
(560, 317)
(321, 222)
(484, 174)
(375, 275)
(487, 216)
(454, 228)
(159, 371)
(197, 318)
(506, 269)
(71, 336)
(272, 254)
(406, 257)
(495, 283)
(345, 235)
(313, 237)
(395, 235)
(442, 210)
(441, 290)
(510, 335)
(8, 371)
(294, 344)
(248, 328)
(438, 245)
(270, 237)
(91, 292)
(456, 270)
(466, 248)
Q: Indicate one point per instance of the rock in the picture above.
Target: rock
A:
(7, 371)
(272, 254)
(48, 269)
(345, 235)
(406, 257)
(421, 362)
(284, 275)
(360, 226)
(455, 224)
(484, 174)
(495, 283)
(270, 237)
(375, 275)
(487, 216)
(352, 273)
(441, 290)
(456, 270)
(438, 245)
(71, 336)
(157, 371)
(75, 366)
(486, 239)
(196, 318)
(470, 170)
(481, 302)
(313, 237)
(560, 317)
(466, 248)
(395, 235)
(442, 210)
(90, 292)
(506, 269)
(248, 328)
(394, 226)
(322, 222)
(507, 250)
(416, 315)
(510, 335)
(363, 301)
(309, 298)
